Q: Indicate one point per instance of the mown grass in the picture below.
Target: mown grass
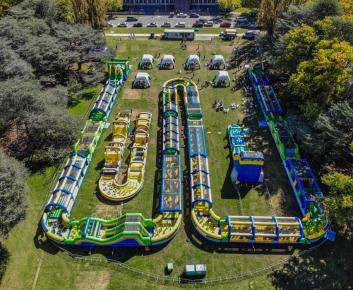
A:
(31, 253)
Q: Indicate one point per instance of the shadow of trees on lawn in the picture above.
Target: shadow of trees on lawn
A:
(328, 267)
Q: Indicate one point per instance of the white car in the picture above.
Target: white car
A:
(122, 24)
(182, 15)
(152, 24)
(208, 23)
(181, 24)
(166, 24)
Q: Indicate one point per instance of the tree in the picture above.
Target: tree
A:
(12, 65)
(299, 45)
(250, 3)
(35, 125)
(12, 192)
(335, 27)
(270, 11)
(339, 201)
(4, 256)
(92, 12)
(325, 78)
(115, 4)
(230, 4)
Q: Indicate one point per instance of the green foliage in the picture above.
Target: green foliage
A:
(338, 183)
(4, 256)
(230, 4)
(250, 3)
(311, 109)
(6, 4)
(339, 202)
(12, 192)
(39, 55)
(115, 4)
(325, 77)
(339, 28)
(299, 45)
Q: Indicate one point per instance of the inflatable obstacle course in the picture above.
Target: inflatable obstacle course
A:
(304, 184)
(246, 164)
(109, 185)
(128, 230)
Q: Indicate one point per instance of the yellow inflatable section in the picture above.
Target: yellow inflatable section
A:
(109, 184)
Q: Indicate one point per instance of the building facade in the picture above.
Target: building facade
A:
(166, 6)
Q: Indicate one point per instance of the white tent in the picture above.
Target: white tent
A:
(193, 62)
(222, 79)
(167, 62)
(217, 62)
(142, 80)
(146, 61)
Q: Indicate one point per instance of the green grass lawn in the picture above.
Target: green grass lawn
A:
(35, 260)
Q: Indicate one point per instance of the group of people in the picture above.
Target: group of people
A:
(218, 105)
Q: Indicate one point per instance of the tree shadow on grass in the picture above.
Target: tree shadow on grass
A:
(328, 267)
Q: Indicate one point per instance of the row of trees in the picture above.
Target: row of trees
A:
(310, 47)
(44, 61)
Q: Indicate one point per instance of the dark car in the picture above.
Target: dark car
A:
(241, 21)
(131, 19)
(225, 24)
(194, 15)
(198, 24)
(138, 24)
(251, 34)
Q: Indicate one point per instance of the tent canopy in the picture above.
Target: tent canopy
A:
(222, 79)
(147, 58)
(222, 76)
(167, 59)
(193, 59)
(142, 78)
(217, 59)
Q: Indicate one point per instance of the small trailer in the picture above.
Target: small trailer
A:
(228, 34)
(179, 34)
(196, 270)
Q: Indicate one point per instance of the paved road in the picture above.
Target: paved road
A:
(159, 20)
(198, 36)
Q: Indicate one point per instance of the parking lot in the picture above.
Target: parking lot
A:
(159, 20)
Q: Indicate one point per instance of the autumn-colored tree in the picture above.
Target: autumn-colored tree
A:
(299, 45)
(339, 201)
(325, 77)
(230, 4)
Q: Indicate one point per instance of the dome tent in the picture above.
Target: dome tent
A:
(142, 80)
(221, 79)
(167, 62)
(192, 62)
(217, 62)
(146, 62)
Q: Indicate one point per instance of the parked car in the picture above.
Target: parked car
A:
(228, 34)
(171, 14)
(138, 24)
(180, 24)
(122, 24)
(217, 19)
(251, 34)
(131, 19)
(152, 24)
(198, 24)
(241, 22)
(194, 15)
(166, 24)
(208, 23)
(225, 24)
(182, 15)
